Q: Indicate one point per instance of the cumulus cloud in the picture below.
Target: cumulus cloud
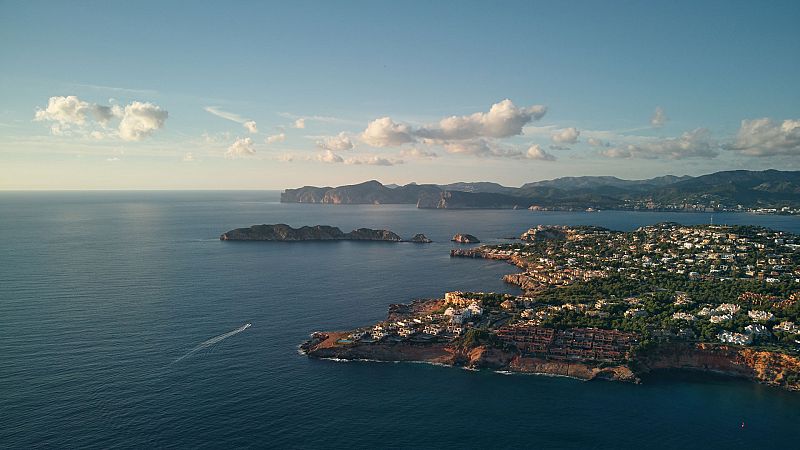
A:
(251, 126)
(504, 119)
(384, 132)
(188, 157)
(329, 157)
(300, 123)
(536, 152)
(338, 143)
(374, 161)
(241, 148)
(69, 110)
(137, 120)
(140, 120)
(594, 142)
(275, 138)
(659, 118)
(286, 157)
(566, 136)
(767, 137)
(692, 144)
(418, 153)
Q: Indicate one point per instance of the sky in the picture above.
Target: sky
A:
(274, 95)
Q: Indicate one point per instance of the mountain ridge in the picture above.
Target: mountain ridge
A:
(725, 190)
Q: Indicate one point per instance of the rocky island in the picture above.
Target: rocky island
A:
(465, 239)
(603, 304)
(285, 233)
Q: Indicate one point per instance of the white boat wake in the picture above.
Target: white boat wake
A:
(214, 340)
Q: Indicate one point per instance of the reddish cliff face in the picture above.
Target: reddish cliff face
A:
(574, 369)
(771, 368)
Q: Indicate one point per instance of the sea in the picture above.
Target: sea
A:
(126, 323)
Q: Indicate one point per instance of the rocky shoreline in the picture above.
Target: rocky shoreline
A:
(765, 367)
(769, 368)
(325, 345)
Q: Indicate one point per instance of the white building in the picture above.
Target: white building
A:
(761, 316)
(789, 327)
(683, 316)
(719, 318)
(730, 337)
(756, 329)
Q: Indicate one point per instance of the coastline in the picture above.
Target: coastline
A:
(764, 367)
(524, 334)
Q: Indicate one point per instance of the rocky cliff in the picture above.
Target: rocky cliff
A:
(325, 345)
(772, 368)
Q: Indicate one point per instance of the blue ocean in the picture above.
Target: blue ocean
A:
(124, 324)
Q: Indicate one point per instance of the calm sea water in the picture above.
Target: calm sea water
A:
(108, 302)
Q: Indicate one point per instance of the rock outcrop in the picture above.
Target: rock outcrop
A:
(420, 239)
(465, 239)
(283, 232)
(772, 368)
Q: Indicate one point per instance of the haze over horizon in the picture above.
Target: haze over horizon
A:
(101, 95)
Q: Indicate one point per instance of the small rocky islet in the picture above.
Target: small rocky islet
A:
(463, 238)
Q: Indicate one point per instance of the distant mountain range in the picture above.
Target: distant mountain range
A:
(730, 190)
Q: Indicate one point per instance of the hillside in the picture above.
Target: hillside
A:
(729, 190)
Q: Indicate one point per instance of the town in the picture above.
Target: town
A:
(593, 293)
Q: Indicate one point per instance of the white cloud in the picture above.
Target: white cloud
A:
(225, 114)
(188, 157)
(566, 136)
(69, 110)
(767, 137)
(475, 147)
(504, 119)
(374, 161)
(69, 113)
(113, 159)
(140, 120)
(300, 123)
(329, 157)
(418, 153)
(286, 157)
(241, 148)
(536, 152)
(275, 138)
(384, 132)
(692, 144)
(659, 118)
(595, 142)
(338, 143)
(251, 126)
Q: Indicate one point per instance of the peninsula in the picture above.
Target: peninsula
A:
(283, 232)
(603, 304)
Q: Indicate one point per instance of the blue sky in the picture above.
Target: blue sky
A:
(180, 95)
